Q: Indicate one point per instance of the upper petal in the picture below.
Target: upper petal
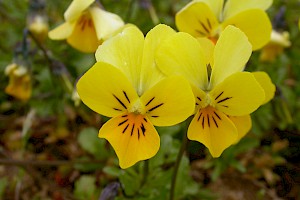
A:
(213, 129)
(133, 138)
(106, 90)
(233, 7)
(124, 51)
(150, 74)
(232, 52)
(169, 102)
(266, 83)
(76, 8)
(239, 94)
(216, 6)
(181, 54)
(255, 23)
(62, 32)
(105, 23)
(197, 19)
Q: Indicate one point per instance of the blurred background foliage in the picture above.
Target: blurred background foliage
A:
(49, 146)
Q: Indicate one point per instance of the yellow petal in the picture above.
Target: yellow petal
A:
(239, 94)
(243, 125)
(150, 74)
(255, 24)
(19, 87)
(182, 54)
(232, 52)
(84, 37)
(106, 90)
(125, 52)
(76, 8)
(213, 129)
(216, 6)
(62, 32)
(266, 83)
(169, 102)
(208, 46)
(133, 138)
(197, 19)
(233, 7)
(106, 23)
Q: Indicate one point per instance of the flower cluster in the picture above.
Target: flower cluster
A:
(167, 76)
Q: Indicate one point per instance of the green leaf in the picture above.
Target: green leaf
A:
(89, 141)
(87, 167)
(112, 171)
(85, 187)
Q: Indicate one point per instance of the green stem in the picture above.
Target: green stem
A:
(177, 163)
(145, 173)
(130, 10)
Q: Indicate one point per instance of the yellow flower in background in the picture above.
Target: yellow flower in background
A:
(126, 85)
(225, 95)
(19, 85)
(208, 18)
(275, 47)
(38, 26)
(86, 26)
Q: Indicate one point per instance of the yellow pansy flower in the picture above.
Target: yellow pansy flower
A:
(19, 85)
(125, 84)
(86, 26)
(208, 18)
(224, 94)
(278, 42)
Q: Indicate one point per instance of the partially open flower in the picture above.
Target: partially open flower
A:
(275, 47)
(38, 26)
(86, 26)
(19, 82)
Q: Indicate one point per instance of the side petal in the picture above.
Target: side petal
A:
(213, 129)
(84, 37)
(232, 52)
(124, 51)
(76, 8)
(106, 90)
(150, 74)
(197, 19)
(243, 125)
(133, 138)
(106, 23)
(169, 102)
(255, 24)
(266, 83)
(62, 32)
(181, 54)
(239, 94)
(233, 7)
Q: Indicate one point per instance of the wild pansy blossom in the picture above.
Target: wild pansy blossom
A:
(125, 84)
(19, 85)
(86, 26)
(275, 47)
(208, 18)
(224, 94)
